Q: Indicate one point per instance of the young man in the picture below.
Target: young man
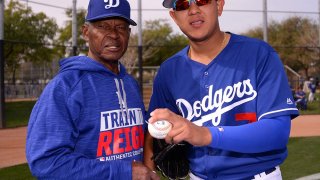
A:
(89, 121)
(226, 95)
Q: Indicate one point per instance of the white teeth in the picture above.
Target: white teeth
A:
(197, 22)
(112, 47)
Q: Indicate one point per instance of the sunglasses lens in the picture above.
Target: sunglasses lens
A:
(202, 2)
(180, 5)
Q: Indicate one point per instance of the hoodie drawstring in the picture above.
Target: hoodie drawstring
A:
(122, 98)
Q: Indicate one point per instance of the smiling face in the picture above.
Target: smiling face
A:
(108, 40)
(199, 23)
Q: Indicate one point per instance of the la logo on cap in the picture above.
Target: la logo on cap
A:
(104, 9)
(112, 3)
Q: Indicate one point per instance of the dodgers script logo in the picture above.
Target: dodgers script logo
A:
(222, 100)
(111, 3)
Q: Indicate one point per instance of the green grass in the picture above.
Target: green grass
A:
(19, 172)
(313, 108)
(18, 113)
(303, 160)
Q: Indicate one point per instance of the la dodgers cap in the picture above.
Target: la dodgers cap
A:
(102, 9)
(168, 3)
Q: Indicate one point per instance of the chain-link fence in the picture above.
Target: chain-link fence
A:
(31, 79)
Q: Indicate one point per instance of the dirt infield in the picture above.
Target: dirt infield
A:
(305, 126)
(12, 146)
(12, 141)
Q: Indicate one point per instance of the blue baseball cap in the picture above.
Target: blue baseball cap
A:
(102, 9)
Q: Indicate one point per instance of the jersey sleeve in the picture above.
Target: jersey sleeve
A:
(52, 136)
(274, 94)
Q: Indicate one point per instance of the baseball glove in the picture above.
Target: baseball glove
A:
(171, 159)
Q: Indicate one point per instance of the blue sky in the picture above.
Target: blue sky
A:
(232, 20)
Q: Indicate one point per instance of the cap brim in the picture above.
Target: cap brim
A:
(130, 21)
(168, 3)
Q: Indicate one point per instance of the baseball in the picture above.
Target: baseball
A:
(159, 129)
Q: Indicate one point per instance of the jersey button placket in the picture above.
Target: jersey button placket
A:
(205, 77)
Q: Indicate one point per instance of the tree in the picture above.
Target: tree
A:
(65, 33)
(295, 39)
(309, 39)
(27, 37)
(159, 43)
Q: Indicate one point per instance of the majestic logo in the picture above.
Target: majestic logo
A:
(242, 91)
(112, 3)
(289, 101)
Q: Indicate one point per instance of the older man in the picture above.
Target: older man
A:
(89, 121)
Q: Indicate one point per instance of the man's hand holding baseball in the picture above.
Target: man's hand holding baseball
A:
(182, 129)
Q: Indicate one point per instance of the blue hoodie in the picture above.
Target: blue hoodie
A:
(88, 123)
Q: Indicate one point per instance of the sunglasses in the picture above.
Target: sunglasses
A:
(180, 5)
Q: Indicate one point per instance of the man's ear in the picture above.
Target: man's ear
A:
(85, 29)
(173, 15)
(220, 5)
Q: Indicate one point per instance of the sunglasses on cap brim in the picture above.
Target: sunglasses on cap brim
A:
(180, 5)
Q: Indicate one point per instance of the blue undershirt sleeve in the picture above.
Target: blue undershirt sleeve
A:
(261, 136)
